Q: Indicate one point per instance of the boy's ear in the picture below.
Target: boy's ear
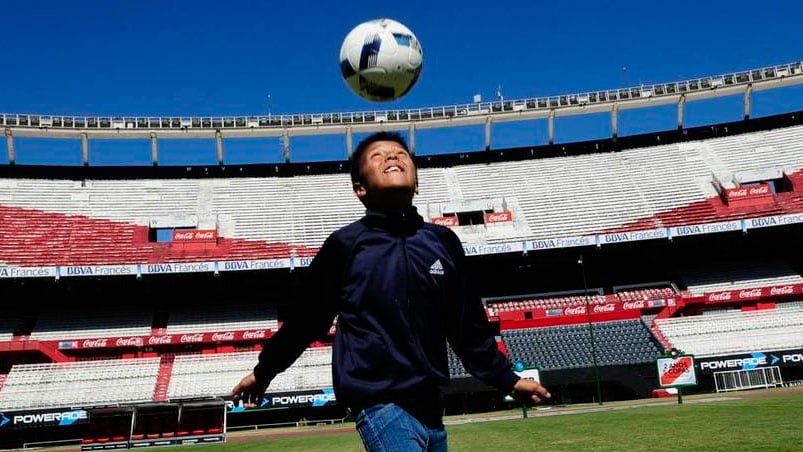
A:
(359, 189)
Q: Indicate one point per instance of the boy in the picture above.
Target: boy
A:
(399, 290)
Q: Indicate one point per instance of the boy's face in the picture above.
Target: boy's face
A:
(388, 176)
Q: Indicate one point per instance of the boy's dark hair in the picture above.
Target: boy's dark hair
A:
(356, 157)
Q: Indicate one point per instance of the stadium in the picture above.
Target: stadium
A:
(142, 293)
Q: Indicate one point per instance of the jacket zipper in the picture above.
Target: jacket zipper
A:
(416, 341)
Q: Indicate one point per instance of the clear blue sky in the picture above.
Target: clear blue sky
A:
(201, 57)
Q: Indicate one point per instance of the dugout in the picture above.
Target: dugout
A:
(154, 424)
(107, 428)
(182, 422)
(200, 418)
(155, 420)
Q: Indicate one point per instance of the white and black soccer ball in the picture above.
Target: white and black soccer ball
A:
(381, 60)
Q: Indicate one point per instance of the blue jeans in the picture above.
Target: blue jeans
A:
(389, 428)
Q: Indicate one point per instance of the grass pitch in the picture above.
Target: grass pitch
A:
(767, 420)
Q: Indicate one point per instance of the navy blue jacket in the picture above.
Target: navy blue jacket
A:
(399, 289)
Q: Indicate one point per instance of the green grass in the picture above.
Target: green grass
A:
(701, 423)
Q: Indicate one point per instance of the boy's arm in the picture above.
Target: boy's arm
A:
(309, 318)
(469, 331)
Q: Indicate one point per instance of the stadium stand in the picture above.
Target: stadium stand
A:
(79, 383)
(735, 275)
(568, 346)
(225, 317)
(721, 293)
(7, 326)
(202, 375)
(98, 322)
(733, 331)
(87, 215)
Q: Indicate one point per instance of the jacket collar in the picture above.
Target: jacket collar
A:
(405, 221)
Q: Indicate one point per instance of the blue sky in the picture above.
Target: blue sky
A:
(196, 58)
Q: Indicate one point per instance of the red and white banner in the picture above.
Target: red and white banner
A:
(676, 371)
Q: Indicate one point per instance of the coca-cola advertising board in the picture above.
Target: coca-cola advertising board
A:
(755, 293)
(194, 235)
(498, 217)
(446, 221)
(749, 195)
(163, 339)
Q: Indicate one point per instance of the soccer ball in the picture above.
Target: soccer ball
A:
(380, 60)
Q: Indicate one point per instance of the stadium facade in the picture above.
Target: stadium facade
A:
(135, 297)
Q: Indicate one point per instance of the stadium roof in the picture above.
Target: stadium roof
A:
(347, 123)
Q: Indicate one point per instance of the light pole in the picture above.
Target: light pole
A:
(591, 331)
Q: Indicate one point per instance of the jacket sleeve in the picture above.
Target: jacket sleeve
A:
(312, 313)
(469, 332)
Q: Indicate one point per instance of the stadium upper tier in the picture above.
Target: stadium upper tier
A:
(654, 192)
(502, 110)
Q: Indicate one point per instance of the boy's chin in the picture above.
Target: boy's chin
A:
(392, 197)
(395, 190)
